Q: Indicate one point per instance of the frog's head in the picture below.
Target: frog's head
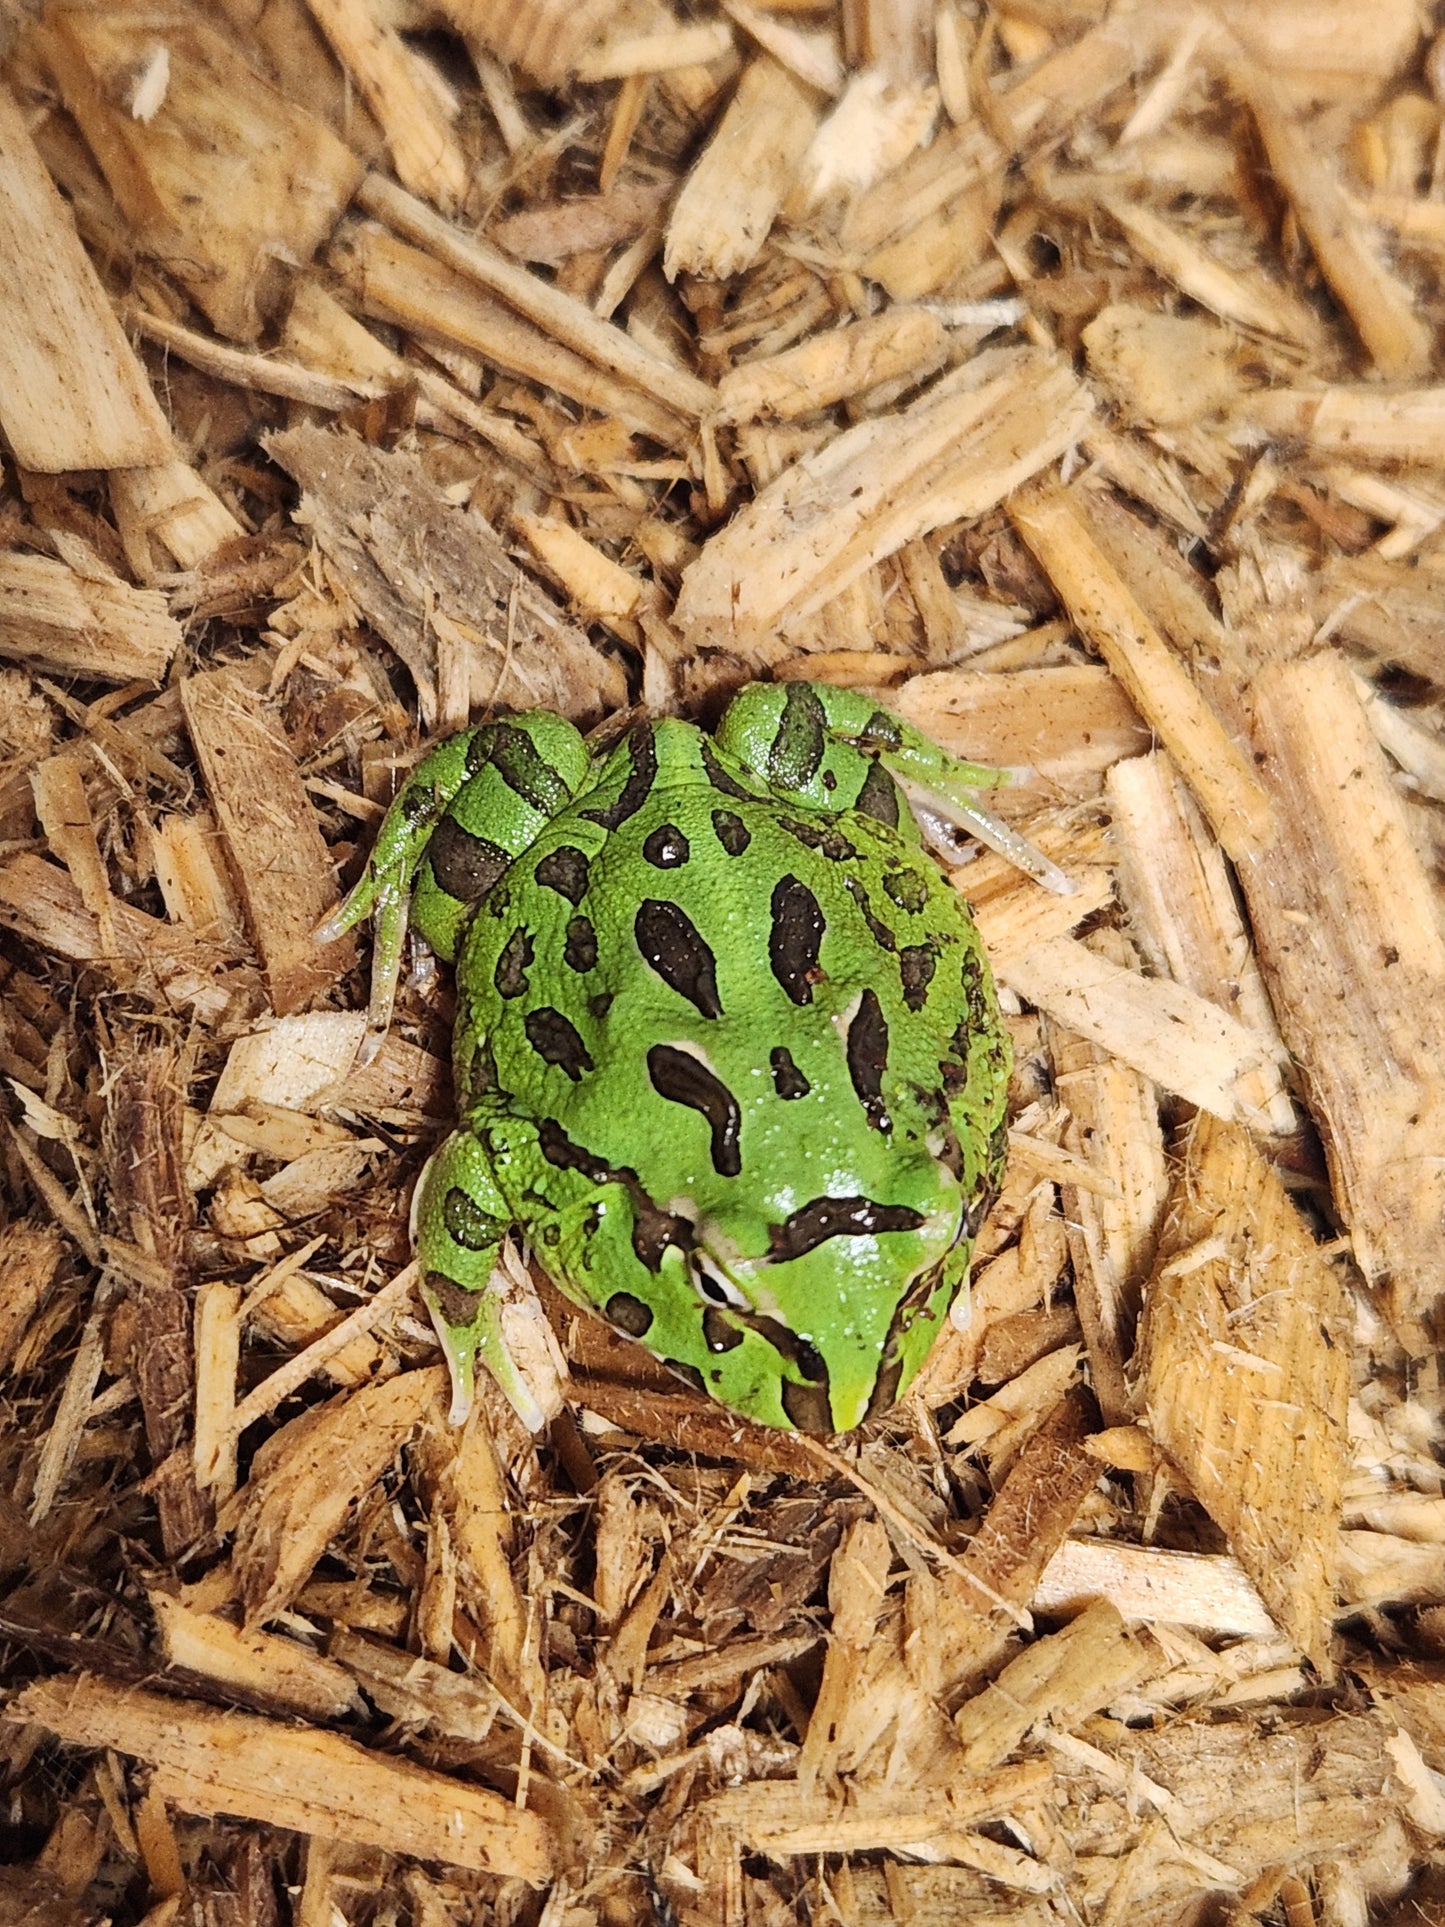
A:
(829, 1324)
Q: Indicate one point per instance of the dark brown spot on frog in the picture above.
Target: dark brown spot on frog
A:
(465, 866)
(878, 797)
(556, 1041)
(666, 848)
(719, 1332)
(679, 1077)
(877, 929)
(917, 963)
(565, 870)
(796, 938)
(579, 952)
(867, 1052)
(510, 975)
(653, 1229)
(672, 944)
(468, 1225)
(812, 1224)
(797, 749)
(788, 1080)
(629, 1314)
(724, 784)
(635, 791)
(907, 888)
(808, 1406)
(825, 838)
(731, 832)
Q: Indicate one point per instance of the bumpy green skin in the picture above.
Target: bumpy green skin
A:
(727, 1047)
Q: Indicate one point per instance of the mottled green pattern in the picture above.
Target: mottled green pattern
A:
(727, 1052)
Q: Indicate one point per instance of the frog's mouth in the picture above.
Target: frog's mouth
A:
(833, 1384)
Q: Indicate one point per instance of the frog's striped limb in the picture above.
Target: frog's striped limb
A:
(470, 807)
(459, 1220)
(830, 748)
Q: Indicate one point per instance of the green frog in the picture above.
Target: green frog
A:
(727, 1053)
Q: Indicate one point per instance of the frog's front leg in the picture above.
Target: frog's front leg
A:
(470, 806)
(459, 1220)
(837, 749)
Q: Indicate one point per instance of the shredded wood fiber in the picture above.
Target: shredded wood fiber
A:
(1067, 374)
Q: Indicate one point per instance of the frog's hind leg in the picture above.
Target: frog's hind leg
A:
(470, 807)
(459, 1220)
(837, 749)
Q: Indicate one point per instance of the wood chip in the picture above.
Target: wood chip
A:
(71, 624)
(72, 393)
(722, 216)
(1108, 616)
(959, 450)
(375, 514)
(173, 170)
(1244, 1374)
(310, 1781)
(1352, 951)
(282, 871)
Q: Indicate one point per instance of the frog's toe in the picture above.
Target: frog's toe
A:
(468, 1324)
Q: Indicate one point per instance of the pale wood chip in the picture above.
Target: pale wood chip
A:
(1208, 1591)
(397, 86)
(53, 617)
(1250, 299)
(72, 392)
(1183, 909)
(440, 303)
(40, 900)
(174, 172)
(559, 314)
(63, 812)
(857, 1581)
(1382, 307)
(958, 450)
(308, 1780)
(1244, 1374)
(263, 1664)
(282, 869)
(830, 366)
(1170, 1034)
(959, 1624)
(306, 1478)
(173, 506)
(721, 218)
(1064, 726)
(1370, 424)
(1107, 614)
(1347, 934)
(545, 38)
(1114, 1122)
(417, 1692)
(782, 1817)
(1076, 80)
(657, 53)
(1067, 1676)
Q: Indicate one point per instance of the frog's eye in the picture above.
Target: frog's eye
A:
(716, 1287)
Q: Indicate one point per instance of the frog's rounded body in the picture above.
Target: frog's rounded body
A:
(727, 1050)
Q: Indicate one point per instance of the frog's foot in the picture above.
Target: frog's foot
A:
(831, 748)
(468, 809)
(459, 1221)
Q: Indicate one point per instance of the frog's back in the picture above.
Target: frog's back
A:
(696, 981)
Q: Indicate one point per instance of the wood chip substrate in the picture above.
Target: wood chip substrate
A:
(1070, 376)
